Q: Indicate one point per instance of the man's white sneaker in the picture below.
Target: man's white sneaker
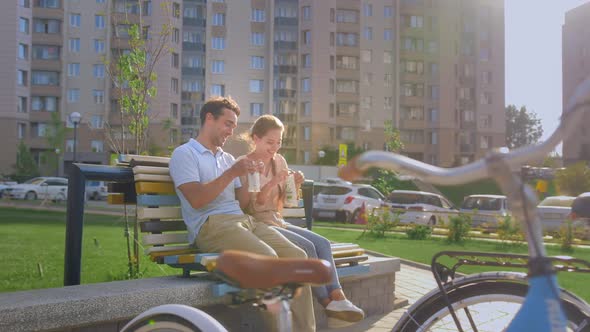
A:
(343, 313)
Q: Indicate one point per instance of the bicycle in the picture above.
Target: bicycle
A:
(469, 300)
(270, 284)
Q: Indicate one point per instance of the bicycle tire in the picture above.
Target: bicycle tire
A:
(173, 318)
(494, 287)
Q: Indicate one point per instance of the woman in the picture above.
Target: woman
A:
(266, 206)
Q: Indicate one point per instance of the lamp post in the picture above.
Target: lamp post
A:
(57, 151)
(75, 119)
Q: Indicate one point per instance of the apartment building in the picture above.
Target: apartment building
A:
(336, 71)
(576, 68)
(60, 51)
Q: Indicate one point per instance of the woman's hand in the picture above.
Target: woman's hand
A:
(299, 178)
(279, 177)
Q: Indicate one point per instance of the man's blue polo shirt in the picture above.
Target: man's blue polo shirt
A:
(193, 162)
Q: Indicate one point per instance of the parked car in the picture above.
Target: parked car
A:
(53, 188)
(486, 210)
(580, 212)
(553, 211)
(420, 207)
(5, 187)
(96, 190)
(343, 202)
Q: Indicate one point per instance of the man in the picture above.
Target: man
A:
(207, 182)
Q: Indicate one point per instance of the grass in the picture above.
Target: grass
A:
(33, 245)
(34, 240)
(422, 251)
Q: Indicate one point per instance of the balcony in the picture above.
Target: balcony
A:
(194, 22)
(196, 71)
(467, 148)
(187, 46)
(284, 93)
(467, 80)
(285, 69)
(287, 117)
(468, 125)
(47, 38)
(467, 103)
(411, 123)
(189, 121)
(51, 65)
(46, 90)
(285, 45)
(291, 21)
(192, 96)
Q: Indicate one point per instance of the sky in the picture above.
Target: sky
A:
(533, 56)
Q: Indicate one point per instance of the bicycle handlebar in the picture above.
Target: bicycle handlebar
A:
(478, 169)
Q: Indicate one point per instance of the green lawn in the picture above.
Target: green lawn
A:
(33, 239)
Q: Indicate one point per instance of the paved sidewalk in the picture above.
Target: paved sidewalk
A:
(410, 283)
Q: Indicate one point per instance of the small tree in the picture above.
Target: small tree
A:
(574, 179)
(25, 166)
(55, 136)
(393, 141)
(522, 127)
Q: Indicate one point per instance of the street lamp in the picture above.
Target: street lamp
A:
(75, 119)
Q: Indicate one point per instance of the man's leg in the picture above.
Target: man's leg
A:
(224, 232)
(301, 306)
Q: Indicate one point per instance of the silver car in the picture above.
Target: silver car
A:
(343, 202)
(486, 210)
(554, 210)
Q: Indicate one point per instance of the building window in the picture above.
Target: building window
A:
(486, 77)
(306, 108)
(219, 19)
(347, 16)
(24, 3)
(22, 77)
(96, 122)
(256, 109)
(39, 103)
(387, 57)
(47, 3)
(485, 98)
(433, 115)
(176, 9)
(366, 56)
(21, 105)
(99, 46)
(412, 136)
(193, 85)
(485, 121)
(174, 111)
(99, 22)
(147, 8)
(258, 15)
(23, 51)
(306, 36)
(306, 13)
(347, 86)
(485, 142)
(256, 86)
(387, 12)
(257, 62)
(388, 80)
(366, 102)
(388, 103)
(175, 60)
(387, 34)
(433, 69)
(98, 96)
(45, 78)
(44, 52)
(306, 133)
(176, 35)
(96, 146)
(46, 25)
(74, 44)
(433, 137)
(75, 20)
(218, 90)
(367, 9)
(73, 69)
(368, 33)
(484, 54)
(257, 38)
(69, 145)
(73, 95)
(306, 85)
(412, 89)
(174, 85)
(412, 44)
(98, 71)
(21, 130)
(306, 60)
(218, 43)
(467, 116)
(413, 67)
(367, 78)
(434, 92)
(412, 21)
(347, 62)
(346, 39)
(23, 25)
(217, 66)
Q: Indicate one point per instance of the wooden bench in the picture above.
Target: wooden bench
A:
(165, 237)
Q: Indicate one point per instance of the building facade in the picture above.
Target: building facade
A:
(576, 68)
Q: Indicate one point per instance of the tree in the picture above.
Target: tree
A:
(574, 179)
(55, 136)
(133, 75)
(25, 167)
(393, 141)
(522, 127)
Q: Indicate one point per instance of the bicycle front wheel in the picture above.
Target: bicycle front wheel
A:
(488, 301)
(173, 318)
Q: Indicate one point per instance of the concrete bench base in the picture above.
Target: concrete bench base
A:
(106, 307)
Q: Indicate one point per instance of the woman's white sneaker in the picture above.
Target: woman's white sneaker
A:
(343, 313)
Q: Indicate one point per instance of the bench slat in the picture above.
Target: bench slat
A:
(164, 188)
(158, 200)
(153, 178)
(164, 212)
(349, 260)
(346, 247)
(158, 226)
(138, 159)
(169, 250)
(168, 238)
(151, 170)
(348, 253)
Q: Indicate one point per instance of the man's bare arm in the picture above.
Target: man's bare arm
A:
(243, 196)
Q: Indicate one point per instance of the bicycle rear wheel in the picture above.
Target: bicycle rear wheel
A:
(489, 301)
(173, 318)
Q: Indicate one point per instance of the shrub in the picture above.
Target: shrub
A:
(419, 232)
(566, 236)
(381, 221)
(509, 230)
(459, 227)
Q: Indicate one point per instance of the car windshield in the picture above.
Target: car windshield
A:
(482, 203)
(335, 190)
(558, 201)
(407, 198)
(34, 181)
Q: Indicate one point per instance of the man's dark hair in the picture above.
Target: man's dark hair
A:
(215, 106)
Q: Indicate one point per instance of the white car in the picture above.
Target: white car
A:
(52, 188)
(4, 185)
(96, 190)
(420, 207)
(554, 210)
(343, 202)
(485, 209)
